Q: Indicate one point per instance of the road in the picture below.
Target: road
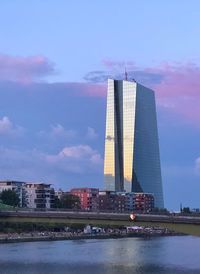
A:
(185, 224)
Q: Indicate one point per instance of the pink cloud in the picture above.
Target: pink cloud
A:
(95, 90)
(178, 80)
(24, 69)
(179, 90)
(87, 89)
(177, 86)
(7, 128)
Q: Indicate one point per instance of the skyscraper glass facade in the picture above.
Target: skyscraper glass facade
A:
(132, 161)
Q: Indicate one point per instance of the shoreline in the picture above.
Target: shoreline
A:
(41, 238)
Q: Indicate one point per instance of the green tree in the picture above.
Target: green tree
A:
(70, 201)
(160, 210)
(186, 210)
(9, 197)
(57, 202)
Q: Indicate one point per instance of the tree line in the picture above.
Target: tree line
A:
(68, 201)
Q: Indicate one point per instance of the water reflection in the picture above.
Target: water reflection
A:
(160, 255)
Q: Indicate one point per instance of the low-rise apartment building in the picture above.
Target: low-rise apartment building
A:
(144, 202)
(89, 197)
(39, 195)
(125, 201)
(111, 201)
(16, 186)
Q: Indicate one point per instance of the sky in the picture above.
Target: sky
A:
(55, 57)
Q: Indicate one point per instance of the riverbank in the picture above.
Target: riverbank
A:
(57, 236)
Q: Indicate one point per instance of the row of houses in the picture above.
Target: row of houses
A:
(94, 199)
(41, 196)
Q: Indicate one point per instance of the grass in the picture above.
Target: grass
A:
(3, 206)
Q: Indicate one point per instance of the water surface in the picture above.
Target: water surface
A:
(163, 255)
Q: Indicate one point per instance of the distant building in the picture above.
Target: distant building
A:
(89, 197)
(106, 200)
(111, 201)
(59, 193)
(125, 201)
(119, 202)
(195, 210)
(132, 160)
(144, 202)
(31, 195)
(39, 195)
(18, 187)
(42, 196)
(129, 201)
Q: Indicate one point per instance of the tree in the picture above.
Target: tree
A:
(57, 202)
(160, 210)
(68, 201)
(186, 210)
(9, 197)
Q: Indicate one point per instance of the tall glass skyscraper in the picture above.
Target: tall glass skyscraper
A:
(132, 160)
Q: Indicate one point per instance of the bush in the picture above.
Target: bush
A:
(9, 197)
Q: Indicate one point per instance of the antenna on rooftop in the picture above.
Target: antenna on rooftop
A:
(126, 74)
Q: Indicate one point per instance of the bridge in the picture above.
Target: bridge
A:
(182, 224)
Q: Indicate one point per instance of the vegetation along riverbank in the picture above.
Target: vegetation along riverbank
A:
(25, 232)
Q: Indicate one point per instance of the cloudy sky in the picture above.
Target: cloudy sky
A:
(55, 57)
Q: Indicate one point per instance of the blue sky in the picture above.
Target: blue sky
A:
(54, 59)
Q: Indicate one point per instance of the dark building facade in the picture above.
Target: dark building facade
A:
(112, 201)
(144, 202)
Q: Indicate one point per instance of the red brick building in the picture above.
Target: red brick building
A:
(92, 199)
(144, 202)
(125, 201)
(89, 197)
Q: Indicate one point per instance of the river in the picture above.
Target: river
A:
(162, 255)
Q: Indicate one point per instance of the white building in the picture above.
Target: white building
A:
(31, 195)
(39, 195)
